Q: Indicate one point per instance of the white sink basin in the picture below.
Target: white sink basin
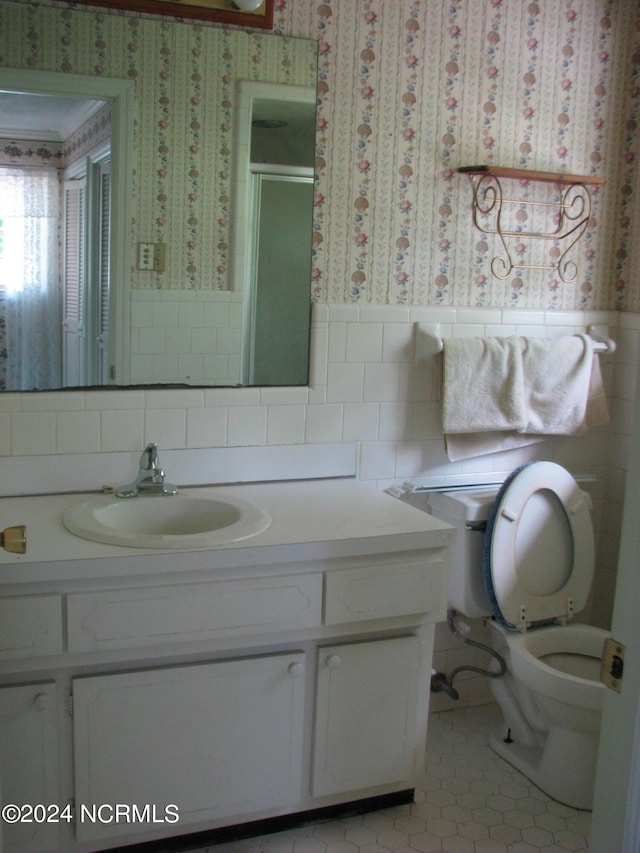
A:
(176, 521)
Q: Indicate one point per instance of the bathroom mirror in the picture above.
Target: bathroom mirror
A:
(179, 309)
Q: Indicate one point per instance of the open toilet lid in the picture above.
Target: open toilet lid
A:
(538, 550)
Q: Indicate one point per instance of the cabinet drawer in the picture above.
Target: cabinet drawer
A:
(30, 625)
(187, 613)
(385, 591)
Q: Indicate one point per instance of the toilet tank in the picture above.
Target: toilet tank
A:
(463, 509)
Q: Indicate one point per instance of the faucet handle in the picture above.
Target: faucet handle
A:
(150, 478)
(149, 458)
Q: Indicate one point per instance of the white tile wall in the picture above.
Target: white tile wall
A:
(365, 387)
(450, 653)
(186, 336)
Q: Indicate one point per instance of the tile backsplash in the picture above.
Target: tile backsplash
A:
(365, 386)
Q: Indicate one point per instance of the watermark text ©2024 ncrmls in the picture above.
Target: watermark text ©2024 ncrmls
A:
(104, 813)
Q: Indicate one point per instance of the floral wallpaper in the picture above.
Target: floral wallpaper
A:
(91, 133)
(408, 91)
(31, 153)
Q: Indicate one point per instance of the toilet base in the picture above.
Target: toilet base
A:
(564, 768)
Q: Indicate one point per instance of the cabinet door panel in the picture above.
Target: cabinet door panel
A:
(29, 762)
(216, 740)
(366, 713)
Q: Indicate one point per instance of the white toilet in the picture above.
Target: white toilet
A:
(531, 570)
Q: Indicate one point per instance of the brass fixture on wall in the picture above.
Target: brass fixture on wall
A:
(569, 215)
(14, 539)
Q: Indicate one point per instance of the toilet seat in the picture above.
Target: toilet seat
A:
(538, 550)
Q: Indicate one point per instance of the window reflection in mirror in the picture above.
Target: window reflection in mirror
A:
(65, 145)
(30, 305)
(114, 339)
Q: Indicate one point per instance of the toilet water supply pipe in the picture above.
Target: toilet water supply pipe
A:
(442, 682)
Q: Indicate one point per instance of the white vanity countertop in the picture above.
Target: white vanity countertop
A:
(317, 519)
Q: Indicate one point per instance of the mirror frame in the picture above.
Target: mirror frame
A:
(220, 11)
(120, 93)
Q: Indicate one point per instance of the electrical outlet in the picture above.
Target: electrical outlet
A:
(145, 256)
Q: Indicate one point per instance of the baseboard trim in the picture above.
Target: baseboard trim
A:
(271, 825)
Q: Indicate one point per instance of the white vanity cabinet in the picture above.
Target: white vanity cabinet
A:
(151, 695)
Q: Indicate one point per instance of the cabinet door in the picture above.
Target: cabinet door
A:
(214, 740)
(366, 714)
(29, 762)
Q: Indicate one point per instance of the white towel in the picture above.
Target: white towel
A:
(597, 409)
(482, 385)
(471, 444)
(557, 374)
(562, 394)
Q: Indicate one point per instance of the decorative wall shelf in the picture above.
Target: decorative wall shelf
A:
(565, 218)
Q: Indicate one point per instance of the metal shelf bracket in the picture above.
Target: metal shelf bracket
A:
(569, 215)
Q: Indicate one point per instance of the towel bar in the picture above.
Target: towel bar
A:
(429, 342)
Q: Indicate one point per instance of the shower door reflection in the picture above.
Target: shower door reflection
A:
(279, 276)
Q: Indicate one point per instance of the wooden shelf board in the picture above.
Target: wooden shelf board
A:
(531, 175)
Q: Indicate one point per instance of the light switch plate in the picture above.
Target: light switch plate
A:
(160, 257)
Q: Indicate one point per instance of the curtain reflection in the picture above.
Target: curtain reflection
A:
(30, 303)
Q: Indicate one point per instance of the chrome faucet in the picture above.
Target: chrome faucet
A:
(150, 479)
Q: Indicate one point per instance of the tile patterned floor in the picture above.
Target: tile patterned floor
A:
(470, 801)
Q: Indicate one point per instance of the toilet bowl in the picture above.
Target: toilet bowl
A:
(531, 542)
(551, 700)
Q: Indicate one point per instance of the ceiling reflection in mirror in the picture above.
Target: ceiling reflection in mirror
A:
(173, 292)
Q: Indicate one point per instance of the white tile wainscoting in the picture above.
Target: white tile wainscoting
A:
(365, 386)
(365, 390)
(178, 333)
